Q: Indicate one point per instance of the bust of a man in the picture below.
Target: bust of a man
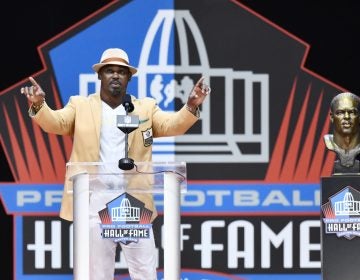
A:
(345, 142)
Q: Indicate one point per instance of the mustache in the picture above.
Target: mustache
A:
(117, 82)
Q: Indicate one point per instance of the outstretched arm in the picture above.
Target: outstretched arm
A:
(59, 121)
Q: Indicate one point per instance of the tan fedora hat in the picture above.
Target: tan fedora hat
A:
(114, 56)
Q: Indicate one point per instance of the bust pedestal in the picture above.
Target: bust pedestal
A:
(340, 227)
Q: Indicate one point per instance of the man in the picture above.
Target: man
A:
(345, 142)
(91, 121)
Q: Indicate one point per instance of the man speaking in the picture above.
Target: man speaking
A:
(91, 122)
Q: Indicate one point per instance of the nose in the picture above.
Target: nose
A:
(116, 74)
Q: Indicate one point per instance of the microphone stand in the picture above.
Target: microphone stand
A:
(126, 163)
(127, 124)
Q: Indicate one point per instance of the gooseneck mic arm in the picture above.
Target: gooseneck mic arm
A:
(127, 124)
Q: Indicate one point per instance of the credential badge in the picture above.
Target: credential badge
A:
(147, 137)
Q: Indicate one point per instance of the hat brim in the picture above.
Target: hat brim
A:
(96, 67)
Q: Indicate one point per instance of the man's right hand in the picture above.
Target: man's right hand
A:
(34, 93)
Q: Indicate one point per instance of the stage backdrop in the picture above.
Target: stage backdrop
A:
(254, 159)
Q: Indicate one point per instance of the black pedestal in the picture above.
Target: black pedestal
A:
(340, 228)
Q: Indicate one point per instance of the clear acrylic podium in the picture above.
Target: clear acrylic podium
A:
(145, 179)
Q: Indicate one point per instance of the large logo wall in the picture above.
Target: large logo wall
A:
(254, 159)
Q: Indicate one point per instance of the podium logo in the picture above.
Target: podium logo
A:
(342, 213)
(125, 219)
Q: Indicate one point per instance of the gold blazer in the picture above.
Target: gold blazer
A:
(81, 119)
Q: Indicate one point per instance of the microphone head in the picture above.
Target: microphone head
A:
(128, 105)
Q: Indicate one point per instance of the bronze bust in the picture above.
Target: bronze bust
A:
(345, 142)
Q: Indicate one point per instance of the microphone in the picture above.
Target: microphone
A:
(129, 107)
(127, 123)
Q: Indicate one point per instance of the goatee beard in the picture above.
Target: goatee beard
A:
(116, 91)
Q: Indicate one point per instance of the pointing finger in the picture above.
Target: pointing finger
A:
(36, 88)
(200, 81)
(34, 83)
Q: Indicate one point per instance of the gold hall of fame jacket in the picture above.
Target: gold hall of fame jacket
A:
(81, 119)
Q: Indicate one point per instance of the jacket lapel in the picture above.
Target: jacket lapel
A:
(131, 135)
(131, 138)
(95, 104)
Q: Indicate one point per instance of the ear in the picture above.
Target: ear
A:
(130, 75)
(331, 117)
(99, 76)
